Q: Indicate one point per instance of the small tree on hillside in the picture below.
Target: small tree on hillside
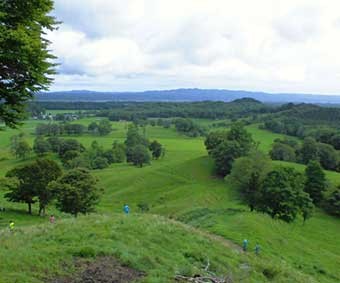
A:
(309, 150)
(333, 203)
(76, 191)
(139, 155)
(224, 155)
(214, 139)
(20, 189)
(281, 151)
(104, 127)
(156, 149)
(315, 184)
(41, 146)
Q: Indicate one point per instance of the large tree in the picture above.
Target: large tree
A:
(283, 197)
(32, 180)
(248, 174)
(77, 192)
(25, 61)
(225, 147)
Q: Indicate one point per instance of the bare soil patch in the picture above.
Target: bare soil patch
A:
(101, 270)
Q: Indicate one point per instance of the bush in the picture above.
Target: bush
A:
(100, 163)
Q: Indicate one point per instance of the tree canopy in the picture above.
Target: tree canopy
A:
(25, 61)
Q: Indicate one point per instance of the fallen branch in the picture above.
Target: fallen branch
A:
(201, 279)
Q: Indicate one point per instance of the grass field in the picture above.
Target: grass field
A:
(180, 186)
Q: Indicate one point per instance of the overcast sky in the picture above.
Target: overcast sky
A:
(267, 45)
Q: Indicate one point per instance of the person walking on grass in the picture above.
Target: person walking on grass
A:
(245, 245)
(126, 209)
(11, 226)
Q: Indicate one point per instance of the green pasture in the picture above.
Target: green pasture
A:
(180, 186)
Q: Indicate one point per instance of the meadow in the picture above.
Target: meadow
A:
(189, 207)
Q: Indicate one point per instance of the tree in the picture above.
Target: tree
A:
(282, 195)
(248, 174)
(328, 156)
(76, 192)
(41, 146)
(156, 149)
(224, 148)
(315, 181)
(25, 60)
(18, 191)
(45, 171)
(55, 143)
(224, 155)
(70, 144)
(93, 127)
(68, 156)
(104, 127)
(214, 139)
(335, 141)
(118, 152)
(32, 180)
(100, 163)
(309, 150)
(21, 148)
(283, 152)
(140, 155)
(333, 203)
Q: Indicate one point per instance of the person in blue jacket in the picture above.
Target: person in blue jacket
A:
(126, 209)
(245, 245)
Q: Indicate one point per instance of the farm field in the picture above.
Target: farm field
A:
(180, 187)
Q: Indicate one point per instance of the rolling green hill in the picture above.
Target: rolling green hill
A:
(181, 186)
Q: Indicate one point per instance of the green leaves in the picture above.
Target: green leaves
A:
(25, 61)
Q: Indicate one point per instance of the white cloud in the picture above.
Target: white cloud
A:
(140, 44)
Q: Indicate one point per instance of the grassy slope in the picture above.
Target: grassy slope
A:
(159, 247)
(182, 186)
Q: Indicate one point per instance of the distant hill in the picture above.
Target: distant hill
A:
(194, 94)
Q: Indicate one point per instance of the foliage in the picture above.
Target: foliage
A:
(53, 129)
(25, 60)
(224, 148)
(283, 197)
(284, 152)
(156, 149)
(188, 127)
(333, 203)
(117, 154)
(32, 183)
(315, 184)
(20, 148)
(77, 192)
(139, 155)
(248, 174)
(41, 146)
(100, 163)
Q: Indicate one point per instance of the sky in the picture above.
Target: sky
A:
(257, 45)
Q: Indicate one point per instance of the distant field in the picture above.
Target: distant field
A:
(182, 186)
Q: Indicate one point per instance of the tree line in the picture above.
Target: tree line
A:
(103, 127)
(282, 192)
